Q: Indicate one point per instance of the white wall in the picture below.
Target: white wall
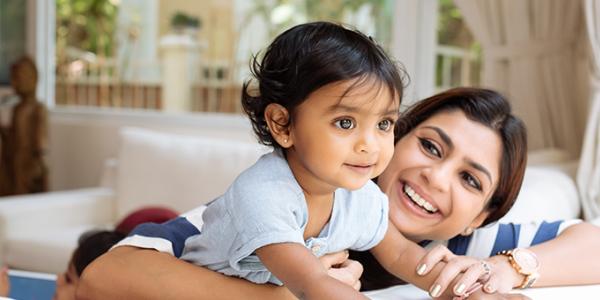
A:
(81, 140)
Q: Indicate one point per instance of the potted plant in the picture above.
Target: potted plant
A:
(183, 23)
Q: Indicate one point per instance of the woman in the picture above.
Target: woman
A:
(462, 183)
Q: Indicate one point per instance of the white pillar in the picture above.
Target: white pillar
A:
(414, 39)
(177, 56)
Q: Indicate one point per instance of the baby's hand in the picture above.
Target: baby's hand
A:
(4, 282)
(467, 273)
(343, 269)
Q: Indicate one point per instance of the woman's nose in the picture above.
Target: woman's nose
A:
(437, 177)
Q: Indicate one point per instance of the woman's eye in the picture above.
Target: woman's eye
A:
(472, 181)
(430, 147)
(345, 124)
(385, 125)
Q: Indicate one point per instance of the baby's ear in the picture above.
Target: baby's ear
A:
(278, 119)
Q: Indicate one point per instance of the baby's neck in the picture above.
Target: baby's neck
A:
(319, 213)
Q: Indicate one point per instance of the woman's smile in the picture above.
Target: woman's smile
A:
(432, 182)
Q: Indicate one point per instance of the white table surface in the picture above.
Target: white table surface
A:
(410, 292)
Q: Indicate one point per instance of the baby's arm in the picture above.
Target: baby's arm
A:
(400, 256)
(302, 273)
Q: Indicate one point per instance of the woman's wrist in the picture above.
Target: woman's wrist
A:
(501, 265)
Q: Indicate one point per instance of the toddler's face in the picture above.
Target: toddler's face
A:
(66, 284)
(342, 137)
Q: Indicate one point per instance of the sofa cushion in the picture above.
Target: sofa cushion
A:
(181, 172)
(24, 251)
(548, 193)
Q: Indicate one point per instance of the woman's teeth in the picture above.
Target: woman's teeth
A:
(416, 198)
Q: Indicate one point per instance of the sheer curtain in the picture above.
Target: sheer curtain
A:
(529, 47)
(588, 175)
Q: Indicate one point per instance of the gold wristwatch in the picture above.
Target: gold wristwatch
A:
(525, 263)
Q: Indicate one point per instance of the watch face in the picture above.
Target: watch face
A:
(527, 260)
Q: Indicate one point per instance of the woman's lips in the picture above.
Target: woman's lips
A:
(411, 206)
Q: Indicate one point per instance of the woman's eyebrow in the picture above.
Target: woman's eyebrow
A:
(448, 141)
(480, 168)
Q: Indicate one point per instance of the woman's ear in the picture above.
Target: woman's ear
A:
(278, 119)
(480, 219)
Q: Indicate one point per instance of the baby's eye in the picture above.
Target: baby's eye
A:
(471, 180)
(345, 123)
(385, 125)
(429, 147)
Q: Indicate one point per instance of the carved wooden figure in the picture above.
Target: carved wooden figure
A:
(24, 142)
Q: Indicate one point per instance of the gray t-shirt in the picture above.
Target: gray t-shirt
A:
(265, 205)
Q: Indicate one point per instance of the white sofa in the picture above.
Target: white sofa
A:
(39, 232)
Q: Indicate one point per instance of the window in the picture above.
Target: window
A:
(12, 35)
(458, 55)
(181, 55)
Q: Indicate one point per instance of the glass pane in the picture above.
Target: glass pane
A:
(12, 35)
(181, 55)
(458, 61)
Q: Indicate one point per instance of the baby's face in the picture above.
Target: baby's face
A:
(342, 137)
(66, 284)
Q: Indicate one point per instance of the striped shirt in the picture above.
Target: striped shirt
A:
(170, 237)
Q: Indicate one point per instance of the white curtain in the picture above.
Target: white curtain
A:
(529, 47)
(588, 175)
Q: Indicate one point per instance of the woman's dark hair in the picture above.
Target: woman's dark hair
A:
(92, 245)
(480, 105)
(491, 109)
(307, 57)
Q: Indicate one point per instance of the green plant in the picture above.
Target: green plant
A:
(181, 19)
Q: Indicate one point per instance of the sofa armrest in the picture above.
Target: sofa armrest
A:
(26, 213)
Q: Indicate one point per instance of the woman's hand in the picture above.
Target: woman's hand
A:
(465, 273)
(4, 282)
(343, 269)
(480, 295)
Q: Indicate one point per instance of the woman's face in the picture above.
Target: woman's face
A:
(66, 284)
(441, 176)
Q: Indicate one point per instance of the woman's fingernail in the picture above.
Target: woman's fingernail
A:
(459, 289)
(488, 288)
(421, 269)
(435, 290)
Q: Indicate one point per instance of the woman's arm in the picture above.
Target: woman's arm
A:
(569, 259)
(134, 273)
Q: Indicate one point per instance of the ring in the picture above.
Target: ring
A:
(486, 267)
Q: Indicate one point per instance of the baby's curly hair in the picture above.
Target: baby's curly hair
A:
(307, 57)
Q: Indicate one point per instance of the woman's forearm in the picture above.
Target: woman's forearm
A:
(570, 258)
(133, 273)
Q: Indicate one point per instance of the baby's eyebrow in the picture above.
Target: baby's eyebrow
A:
(356, 109)
(343, 107)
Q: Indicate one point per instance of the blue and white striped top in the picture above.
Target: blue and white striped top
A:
(171, 236)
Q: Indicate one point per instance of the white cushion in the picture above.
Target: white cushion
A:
(179, 171)
(548, 193)
(23, 251)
